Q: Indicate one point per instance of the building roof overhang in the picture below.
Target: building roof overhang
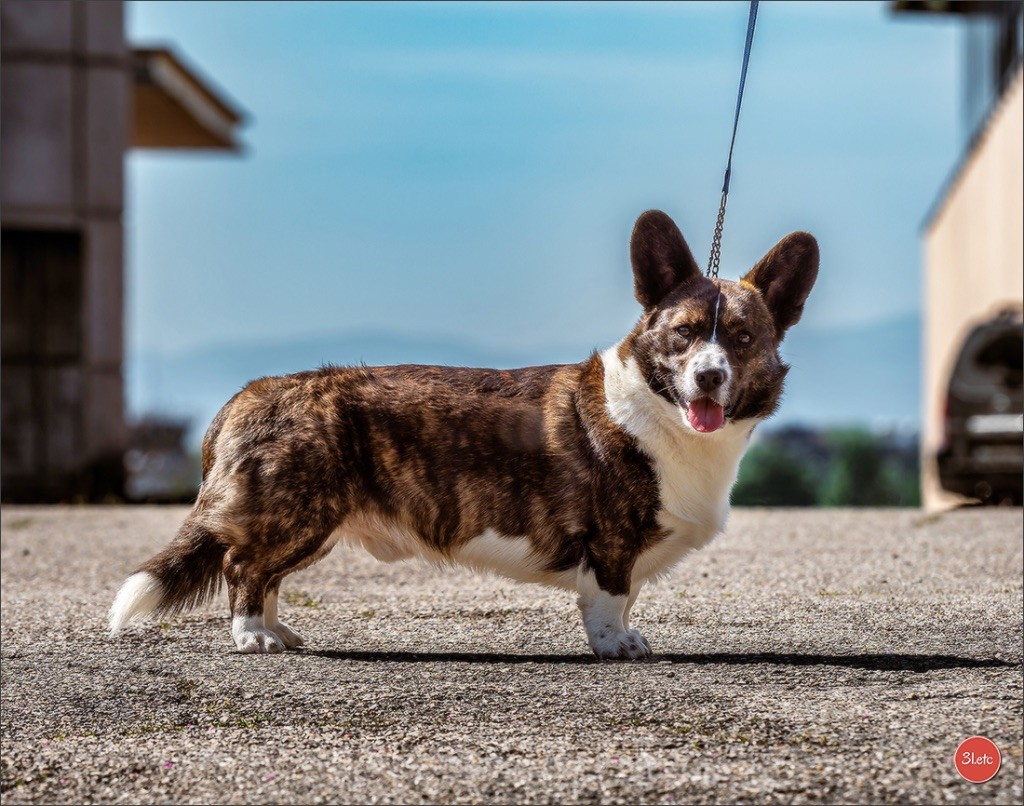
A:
(950, 185)
(963, 8)
(174, 107)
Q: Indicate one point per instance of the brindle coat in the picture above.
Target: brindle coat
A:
(427, 459)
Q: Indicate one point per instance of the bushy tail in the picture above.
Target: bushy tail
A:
(182, 576)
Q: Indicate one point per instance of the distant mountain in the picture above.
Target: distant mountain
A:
(869, 374)
(865, 374)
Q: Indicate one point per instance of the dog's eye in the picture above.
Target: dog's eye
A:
(743, 337)
(684, 331)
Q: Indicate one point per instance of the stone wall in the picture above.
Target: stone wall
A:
(66, 90)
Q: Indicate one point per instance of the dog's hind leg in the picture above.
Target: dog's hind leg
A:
(247, 593)
(254, 572)
(304, 555)
(286, 634)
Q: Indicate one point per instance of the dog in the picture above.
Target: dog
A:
(593, 477)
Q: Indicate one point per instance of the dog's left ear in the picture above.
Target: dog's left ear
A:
(785, 277)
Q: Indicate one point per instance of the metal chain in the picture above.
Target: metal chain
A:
(716, 240)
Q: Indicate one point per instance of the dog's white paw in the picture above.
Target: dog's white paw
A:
(258, 642)
(620, 644)
(252, 638)
(288, 636)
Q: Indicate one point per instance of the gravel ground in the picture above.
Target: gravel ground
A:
(821, 656)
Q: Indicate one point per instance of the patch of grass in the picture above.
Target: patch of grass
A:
(185, 687)
(18, 523)
(927, 520)
(148, 727)
(60, 735)
(492, 613)
(253, 720)
(303, 599)
(632, 722)
(807, 740)
(227, 713)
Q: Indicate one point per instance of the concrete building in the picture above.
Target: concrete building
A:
(75, 96)
(974, 233)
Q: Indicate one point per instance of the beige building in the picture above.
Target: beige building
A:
(75, 97)
(973, 267)
(974, 234)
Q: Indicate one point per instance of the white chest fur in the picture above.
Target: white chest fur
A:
(695, 471)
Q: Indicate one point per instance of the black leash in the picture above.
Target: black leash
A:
(716, 241)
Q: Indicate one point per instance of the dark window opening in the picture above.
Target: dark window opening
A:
(41, 388)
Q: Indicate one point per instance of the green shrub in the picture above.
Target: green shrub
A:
(772, 476)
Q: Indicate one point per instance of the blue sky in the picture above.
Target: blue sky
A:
(473, 171)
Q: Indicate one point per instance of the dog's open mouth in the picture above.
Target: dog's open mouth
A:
(705, 415)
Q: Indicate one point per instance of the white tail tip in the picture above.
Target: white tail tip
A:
(140, 594)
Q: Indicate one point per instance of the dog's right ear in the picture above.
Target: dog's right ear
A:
(661, 258)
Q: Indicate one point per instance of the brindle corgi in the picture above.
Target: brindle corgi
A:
(593, 477)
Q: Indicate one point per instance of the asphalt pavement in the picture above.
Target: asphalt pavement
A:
(804, 657)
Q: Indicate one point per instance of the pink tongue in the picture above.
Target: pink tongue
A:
(706, 415)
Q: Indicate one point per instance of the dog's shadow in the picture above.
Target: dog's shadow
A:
(877, 662)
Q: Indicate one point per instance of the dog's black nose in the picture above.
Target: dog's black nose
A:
(708, 380)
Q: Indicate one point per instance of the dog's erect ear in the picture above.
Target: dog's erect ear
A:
(785, 277)
(661, 258)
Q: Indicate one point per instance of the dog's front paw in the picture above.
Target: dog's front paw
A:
(623, 645)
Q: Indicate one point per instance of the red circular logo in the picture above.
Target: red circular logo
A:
(977, 759)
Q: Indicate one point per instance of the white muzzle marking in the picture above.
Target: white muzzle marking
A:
(710, 356)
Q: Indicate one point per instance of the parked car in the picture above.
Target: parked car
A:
(983, 454)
